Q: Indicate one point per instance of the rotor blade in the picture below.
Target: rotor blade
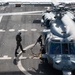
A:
(22, 13)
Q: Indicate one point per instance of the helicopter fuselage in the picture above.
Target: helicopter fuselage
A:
(60, 42)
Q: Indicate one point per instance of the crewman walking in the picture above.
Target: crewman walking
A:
(18, 42)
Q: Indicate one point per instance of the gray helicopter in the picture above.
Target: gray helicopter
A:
(59, 41)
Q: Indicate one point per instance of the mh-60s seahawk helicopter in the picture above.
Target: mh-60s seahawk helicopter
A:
(59, 41)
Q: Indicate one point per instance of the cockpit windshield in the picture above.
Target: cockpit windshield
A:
(72, 48)
(62, 48)
(55, 48)
(65, 48)
(68, 48)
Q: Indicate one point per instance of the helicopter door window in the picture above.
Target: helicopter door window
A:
(65, 48)
(55, 48)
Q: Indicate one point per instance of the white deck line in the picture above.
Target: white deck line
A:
(22, 30)
(11, 30)
(22, 13)
(33, 29)
(21, 67)
(1, 30)
(21, 58)
(5, 57)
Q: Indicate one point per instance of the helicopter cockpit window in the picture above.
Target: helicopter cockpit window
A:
(72, 48)
(55, 48)
(68, 48)
(65, 49)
